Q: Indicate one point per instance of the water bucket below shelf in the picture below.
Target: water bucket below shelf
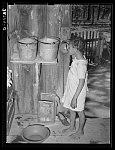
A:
(46, 111)
(48, 48)
(27, 48)
(47, 108)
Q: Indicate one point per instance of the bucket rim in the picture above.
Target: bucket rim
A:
(30, 37)
(50, 37)
(35, 141)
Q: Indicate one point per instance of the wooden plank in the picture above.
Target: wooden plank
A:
(93, 40)
(66, 68)
(99, 49)
(51, 79)
(10, 115)
(60, 74)
(79, 34)
(48, 79)
(65, 33)
(63, 68)
(36, 83)
(83, 34)
(25, 88)
(92, 46)
(34, 61)
(66, 15)
(53, 73)
(90, 35)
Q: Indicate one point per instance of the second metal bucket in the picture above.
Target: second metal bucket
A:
(48, 48)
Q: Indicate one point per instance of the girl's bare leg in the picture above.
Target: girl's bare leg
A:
(80, 130)
(72, 123)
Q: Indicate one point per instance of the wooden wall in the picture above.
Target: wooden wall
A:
(49, 78)
(20, 21)
(53, 77)
(91, 14)
(40, 21)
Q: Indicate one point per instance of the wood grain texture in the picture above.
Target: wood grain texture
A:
(13, 19)
(24, 78)
(63, 68)
(66, 19)
(53, 22)
(48, 80)
(41, 15)
(53, 77)
(10, 112)
(60, 72)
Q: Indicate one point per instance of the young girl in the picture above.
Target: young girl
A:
(76, 87)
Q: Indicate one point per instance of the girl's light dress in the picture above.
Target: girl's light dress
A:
(77, 71)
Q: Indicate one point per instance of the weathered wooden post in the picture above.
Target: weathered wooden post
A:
(64, 58)
(58, 18)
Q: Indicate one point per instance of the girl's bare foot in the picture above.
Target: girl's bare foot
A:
(68, 130)
(77, 134)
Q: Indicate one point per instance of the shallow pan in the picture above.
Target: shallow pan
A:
(35, 133)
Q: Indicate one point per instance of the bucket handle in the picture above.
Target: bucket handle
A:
(27, 43)
(47, 43)
(35, 37)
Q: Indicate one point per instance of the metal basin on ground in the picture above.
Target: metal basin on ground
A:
(35, 133)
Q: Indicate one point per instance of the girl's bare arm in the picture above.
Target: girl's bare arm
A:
(79, 88)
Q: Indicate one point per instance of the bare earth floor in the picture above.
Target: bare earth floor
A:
(97, 131)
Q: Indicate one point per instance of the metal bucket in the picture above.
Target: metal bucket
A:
(47, 108)
(27, 48)
(46, 111)
(48, 48)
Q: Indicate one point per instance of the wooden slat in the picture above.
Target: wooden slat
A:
(60, 73)
(83, 34)
(95, 34)
(86, 48)
(10, 114)
(10, 121)
(66, 67)
(48, 81)
(91, 40)
(37, 60)
(25, 89)
(90, 36)
(79, 34)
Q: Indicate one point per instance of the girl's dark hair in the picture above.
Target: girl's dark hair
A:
(79, 43)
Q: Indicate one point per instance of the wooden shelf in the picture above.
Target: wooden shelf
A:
(37, 60)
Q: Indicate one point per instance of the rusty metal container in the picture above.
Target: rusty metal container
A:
(46, 108)
(27, 48)
(48, 48)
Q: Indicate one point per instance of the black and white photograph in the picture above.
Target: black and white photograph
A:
(58, 73)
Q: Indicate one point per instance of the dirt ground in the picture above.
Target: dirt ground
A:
(96, 131)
